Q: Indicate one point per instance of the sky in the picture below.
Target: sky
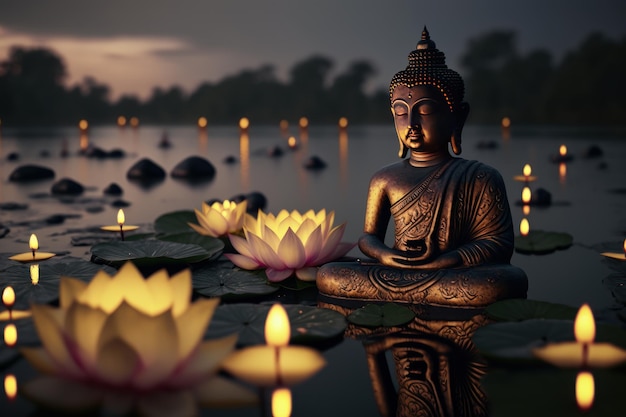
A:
(136, 45)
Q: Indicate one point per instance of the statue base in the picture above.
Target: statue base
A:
(474, 287)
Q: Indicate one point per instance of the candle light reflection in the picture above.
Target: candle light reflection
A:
(585, 390)
(281, 402)
(10, 386)
(10, 335)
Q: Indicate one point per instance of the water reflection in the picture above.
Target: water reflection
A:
(436, 368)
(343, 157)
(244, 157)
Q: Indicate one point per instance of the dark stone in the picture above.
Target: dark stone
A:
(116, 153)
(67, 186)
(315, 163)
(13, 156)
(230, 160)
(276, 151)
(541, 197)
(31, 173)
(4, 231)
(255, 201)
(13, 206)
(95, 152)
(113, 189)
(55, 219)
(120, 203)
(145, 169)
(194, 167)
(594, 151)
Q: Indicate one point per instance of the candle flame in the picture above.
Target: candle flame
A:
(8, 297)
(284, 124)
(120, 217)
(303, 122)
(563, 150)
(134, 121)
(527, 170)
(585, 325)
(83, 124)
(526, 195)
(343, 122)
(244, 123)
(202, 122)
(292, 141)
(121, 121)
(10, 335)
(524, 227)
(585, 390)
(10, 386)
(33, 243)
(277, 328)
(34, 274)
(281, 402)
(506, 122)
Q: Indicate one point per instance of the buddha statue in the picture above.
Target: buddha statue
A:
(453, 228)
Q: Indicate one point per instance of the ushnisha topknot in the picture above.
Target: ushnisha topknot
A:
(427, 65)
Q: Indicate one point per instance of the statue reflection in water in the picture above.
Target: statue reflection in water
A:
(437, 369)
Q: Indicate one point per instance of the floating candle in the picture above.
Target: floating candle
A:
(526, 174)
(121, 227)
(276, 363)
(33, 255)
(584, 352)
(616, 255)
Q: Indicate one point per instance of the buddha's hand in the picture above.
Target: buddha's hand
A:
(446, 260)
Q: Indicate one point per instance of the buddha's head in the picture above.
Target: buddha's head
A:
(427, 102)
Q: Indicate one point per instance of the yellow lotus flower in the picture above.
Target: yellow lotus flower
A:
(219, 219)
(126, 342)
(288, 243)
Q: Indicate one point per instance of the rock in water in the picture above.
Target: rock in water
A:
(194, 168)
(31, 173)
(145, 169)
(67, 186)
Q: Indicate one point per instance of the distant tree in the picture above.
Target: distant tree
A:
(347, 93)
(307, 86)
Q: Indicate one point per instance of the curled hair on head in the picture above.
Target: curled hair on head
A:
(427, 66)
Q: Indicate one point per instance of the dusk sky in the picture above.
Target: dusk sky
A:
(134, 45)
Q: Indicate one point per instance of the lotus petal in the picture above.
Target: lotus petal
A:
(277, 275)
(243, 262)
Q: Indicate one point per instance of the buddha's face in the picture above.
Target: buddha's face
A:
(424, 122)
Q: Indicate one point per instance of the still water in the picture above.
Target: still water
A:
(586, 194)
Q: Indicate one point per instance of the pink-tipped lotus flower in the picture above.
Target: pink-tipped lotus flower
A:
(219, 219)
(129, 343)
(288, 243)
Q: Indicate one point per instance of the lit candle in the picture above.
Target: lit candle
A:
(10, 386)
(583, 352)
(616, 255)
(563, 151)
(121, 121)
(121, 227)
(526, 174)
(8, 297)
(244, 124)
(83, 125)
(276, 363)
(281, 402)
(303, 123)
(33, 255)
(202, 122)
(293, 144)
(10, 335)
(343, 123)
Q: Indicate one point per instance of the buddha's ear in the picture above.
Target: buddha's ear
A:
(461, 114)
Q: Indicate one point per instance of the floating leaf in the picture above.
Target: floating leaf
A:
(540, 242)
(308, 324)
(514, 341)
(175, 222)
(375, 315)
(47, 288)
(213, 245)
(522, 309)
(148, 253)
(221, 279)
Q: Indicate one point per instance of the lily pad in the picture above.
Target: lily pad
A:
(616, 283)
(175, 222)
(308, 324)
(213, 245)
(47, 288)
(386, 315)
(540, 242)
(221, 279)
(148, 253)
(513, 341)
(522, 309)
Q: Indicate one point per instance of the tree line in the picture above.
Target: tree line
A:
(586, 87)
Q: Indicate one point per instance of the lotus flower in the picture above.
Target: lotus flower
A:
(127, 343)
(288, 243)
(219, 219)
